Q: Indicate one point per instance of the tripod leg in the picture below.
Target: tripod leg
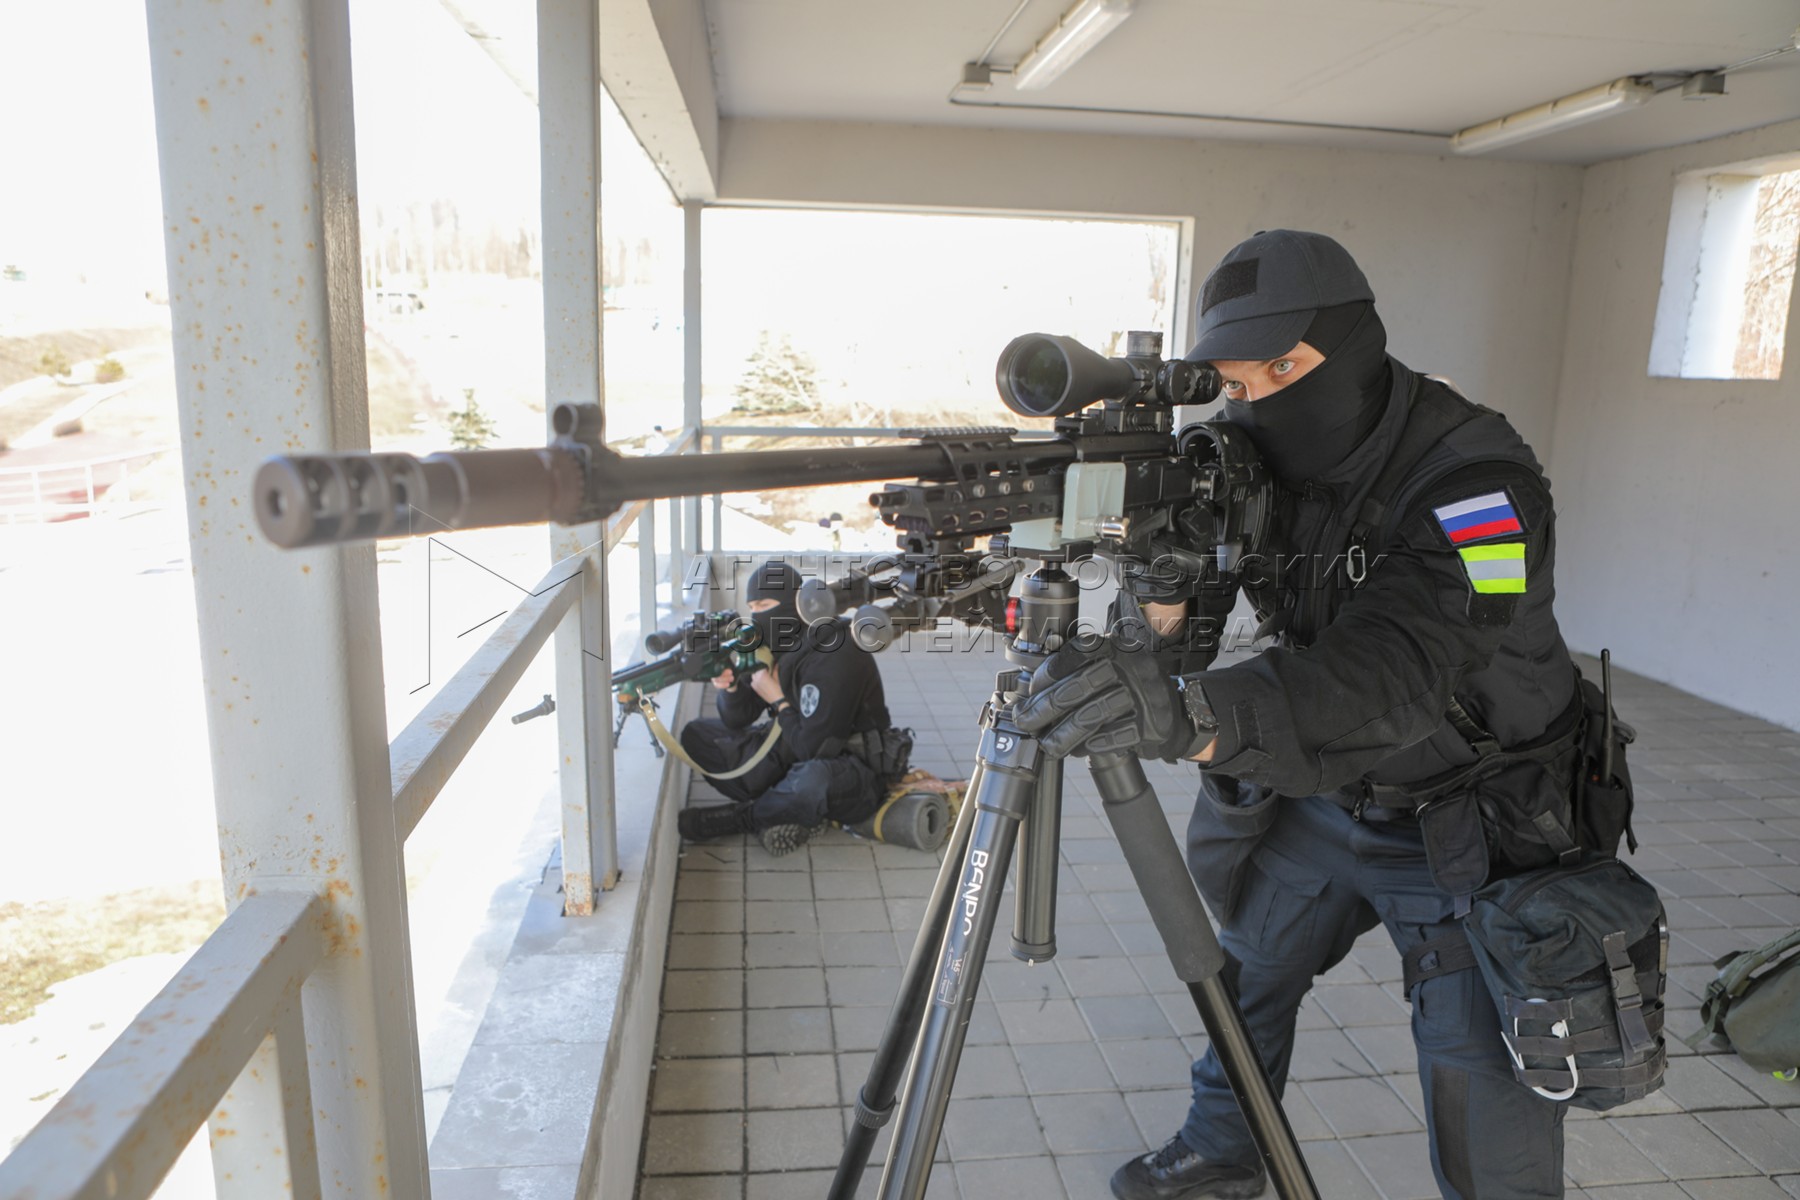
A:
(1034, 890)
(1008, 782)
(875, 1102)
(1187, 933)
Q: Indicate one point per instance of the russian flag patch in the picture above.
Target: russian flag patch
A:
(1478, 517)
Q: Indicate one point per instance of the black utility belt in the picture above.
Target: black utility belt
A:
(1368, 800)
(1361, 804)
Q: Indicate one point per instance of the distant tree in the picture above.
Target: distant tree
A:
(777, 379)
(1158, 290)
(55, 363)
(1770, 282)
(470, 428)
(109, 370)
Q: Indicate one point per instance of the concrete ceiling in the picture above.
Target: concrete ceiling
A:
(1428, 65)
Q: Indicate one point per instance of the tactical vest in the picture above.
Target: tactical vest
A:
(1339, 536)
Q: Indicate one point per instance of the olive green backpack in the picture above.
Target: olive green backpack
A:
(1757, 1015)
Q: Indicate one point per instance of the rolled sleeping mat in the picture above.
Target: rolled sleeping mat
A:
(916, 820)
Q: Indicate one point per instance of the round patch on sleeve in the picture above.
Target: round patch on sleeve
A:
(809, 699)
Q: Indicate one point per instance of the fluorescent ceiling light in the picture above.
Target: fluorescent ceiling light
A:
(1080, 30)
(1553, 117)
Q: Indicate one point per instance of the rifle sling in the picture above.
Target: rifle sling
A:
(662, 734)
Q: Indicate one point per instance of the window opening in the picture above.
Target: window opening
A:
(1728, 273)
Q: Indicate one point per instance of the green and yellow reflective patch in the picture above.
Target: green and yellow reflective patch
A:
(1495, 569)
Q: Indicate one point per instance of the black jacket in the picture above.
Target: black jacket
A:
(1363, 675)
(835, 688)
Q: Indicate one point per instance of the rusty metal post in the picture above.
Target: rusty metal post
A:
(257, 148)
(677, 550)
(569, 145)
(692, 416)
(271, 1148)
(718, 508)
(646, 532)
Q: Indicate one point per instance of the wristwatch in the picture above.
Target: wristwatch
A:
(1194, 701)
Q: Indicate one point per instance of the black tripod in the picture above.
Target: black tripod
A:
(1014, 782)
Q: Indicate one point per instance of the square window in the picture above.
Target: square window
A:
(1728, 273)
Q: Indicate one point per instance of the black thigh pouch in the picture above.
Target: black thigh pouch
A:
(1230, 820)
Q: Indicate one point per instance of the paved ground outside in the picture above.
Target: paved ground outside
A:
(781, 971)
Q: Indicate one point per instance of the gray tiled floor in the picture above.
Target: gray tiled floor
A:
(781, 971)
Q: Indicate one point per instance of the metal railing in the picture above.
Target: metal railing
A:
(64, 491)
(234, 1007)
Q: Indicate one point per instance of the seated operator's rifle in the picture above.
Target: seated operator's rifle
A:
(703, 647)
(1115, 480)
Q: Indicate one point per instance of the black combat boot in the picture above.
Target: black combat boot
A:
(783, 839)
(713, 821)
(1177, 1173)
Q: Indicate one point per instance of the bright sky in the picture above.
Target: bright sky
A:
(894, 306)
(79, 190)
(78, 183)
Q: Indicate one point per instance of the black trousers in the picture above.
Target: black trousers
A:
(1314, 884)
(777, 790)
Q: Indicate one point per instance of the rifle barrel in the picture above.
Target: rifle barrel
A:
(321, 499)
(620, 480)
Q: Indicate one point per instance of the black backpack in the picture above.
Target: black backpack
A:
(1577, 960)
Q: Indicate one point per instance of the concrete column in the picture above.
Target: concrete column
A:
(255, 137)
(569, 141)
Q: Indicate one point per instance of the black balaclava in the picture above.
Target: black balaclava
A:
(781, 627)
(1312, 425)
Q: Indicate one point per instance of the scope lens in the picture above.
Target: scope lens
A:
(1036, 377)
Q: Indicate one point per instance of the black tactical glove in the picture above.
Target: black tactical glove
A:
(1161, 580)
(1096, 695)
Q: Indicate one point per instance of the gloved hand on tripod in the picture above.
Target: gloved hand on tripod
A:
(1104, 694)
(1160, 590)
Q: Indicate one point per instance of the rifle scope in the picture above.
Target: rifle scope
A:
(1047, 375)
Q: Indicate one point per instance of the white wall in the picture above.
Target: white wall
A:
(1468, 258)
(1676, 496)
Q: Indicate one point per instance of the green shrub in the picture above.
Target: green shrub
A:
(109, 370)
(55, 363)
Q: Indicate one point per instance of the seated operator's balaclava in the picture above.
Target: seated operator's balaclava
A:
(1271, 292)
(781, 627)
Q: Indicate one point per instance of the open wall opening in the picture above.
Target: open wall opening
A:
(1728, 273)
(865, 320)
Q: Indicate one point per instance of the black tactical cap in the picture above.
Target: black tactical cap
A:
(1259, 300)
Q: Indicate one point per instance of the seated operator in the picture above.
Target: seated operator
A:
(824, 692)
(1329, 801)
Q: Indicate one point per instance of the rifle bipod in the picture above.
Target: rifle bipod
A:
(626, 712)
(1015, 783)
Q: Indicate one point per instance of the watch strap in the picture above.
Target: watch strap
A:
(1199, 709)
